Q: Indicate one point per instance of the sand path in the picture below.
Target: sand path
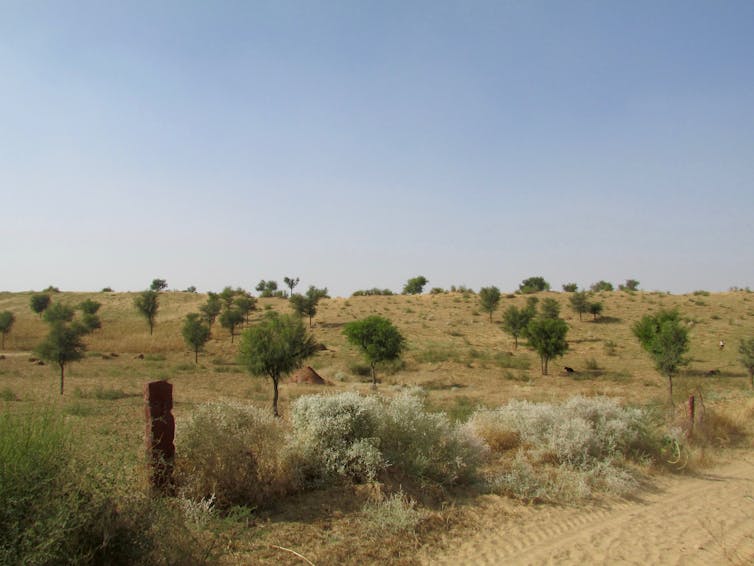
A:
(704, 519)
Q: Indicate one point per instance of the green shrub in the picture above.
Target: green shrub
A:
(396, 514)
(234, 452)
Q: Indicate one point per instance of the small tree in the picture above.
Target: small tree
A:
(91, 321)
(246, 304)
(89, 306)
(191, 289)
(602, 286)
(746, 349)
(306, 305)
(230, 319)
(196, 333)
(666, 340)
(579, 302)
(550, 308)
(415, 285)
(211, 309)
(7, 319)
(39, 303)
(630, 285)
(290, 282)
(158, 285)
(58, 312)
(275, 347)
(489, 298)
(377, 338)
(148, 303)
(267, 288)
(547, 337)
(63, 345)
(533, 285)
(570, 287)
(595, 309)
(515, 321)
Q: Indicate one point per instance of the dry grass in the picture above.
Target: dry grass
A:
(460, 359)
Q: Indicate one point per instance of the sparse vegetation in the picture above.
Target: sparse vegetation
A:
(148, 303)
(415, 285)
(535, 284)
(378, 340)
(489, 299)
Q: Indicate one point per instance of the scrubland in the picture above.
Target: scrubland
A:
(348, 475)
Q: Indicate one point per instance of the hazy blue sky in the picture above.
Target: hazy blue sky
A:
(357, 144)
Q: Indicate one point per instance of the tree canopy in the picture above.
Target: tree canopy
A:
(547, 337)
(148, 303)
(158, 285)
(746, 351)
(533, 285)
(377, 338)
(515, 321)
(415, 285)
(489, 299)
(39, 303)
(7, 319)
(195, 332)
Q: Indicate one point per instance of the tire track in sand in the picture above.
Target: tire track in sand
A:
(704, 519)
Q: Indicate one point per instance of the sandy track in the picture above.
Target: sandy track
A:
(704, 519)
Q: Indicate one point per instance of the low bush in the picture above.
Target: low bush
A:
(234, 453)
(396, 514)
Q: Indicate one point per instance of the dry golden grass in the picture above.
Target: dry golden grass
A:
(454, 353)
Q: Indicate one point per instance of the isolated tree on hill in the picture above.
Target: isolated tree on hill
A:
(291, 282)
(7, 319)
(231, 319)
(196, 333)
(547, 337)
(158, 285)
(515, 321)
(533, 285)
(63, 345)
(602, 286)
(595, 309)
(267, 288)
(58, 312)
(579, 302)
(415, 285)
(306, 305)
(39, 303)
(89, 306)
(245, 304)
(550, 308)
(489, 299)
(275, 347)
(148, 303)
(378, 339)
(746, 349)
(630, 285)
(570, 287)
(666, 340)
(211, 309)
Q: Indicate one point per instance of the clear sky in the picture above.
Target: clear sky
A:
(360, 143)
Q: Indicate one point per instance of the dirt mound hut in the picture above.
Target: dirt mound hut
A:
(307, 375)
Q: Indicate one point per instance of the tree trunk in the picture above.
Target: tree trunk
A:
(62, 376)
(3, 346)
(275, 380)
(374, 376)
(310, 321)
(196, 356)
(151, 327)
(490, 316)
(232, 334)
(544, 361)
(515, 342)
(670, 388)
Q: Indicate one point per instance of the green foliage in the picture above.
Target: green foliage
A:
(547, 337)
(550, 308)
(579, 302)
(211, 309)
(595, 309)
(276, 346)
(570, 287)
(158, 285)
(52, 289)
(7, 319)
(63, 345)
(489, 298)
(291, 282)
(415, 285)
(746, 350)
(629, 285)
(196, 333)
(191, 289)
(230, 319)
(437, 291)
(371, 292)
(107, 290)
(39, 303)
(602, 286)
(663, 336)
(91, 322)
(267, 288)
(89, 306)
(58, 312)
(533, 285)
(148, 303)
(515, 321)
(377, 338)
(246, 304)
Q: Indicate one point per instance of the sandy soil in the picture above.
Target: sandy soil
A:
(703, 519)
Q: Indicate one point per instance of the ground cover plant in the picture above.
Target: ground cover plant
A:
(406, 499)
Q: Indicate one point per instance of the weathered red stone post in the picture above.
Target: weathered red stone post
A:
(160, 433)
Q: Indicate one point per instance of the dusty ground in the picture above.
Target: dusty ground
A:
(706, 518)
